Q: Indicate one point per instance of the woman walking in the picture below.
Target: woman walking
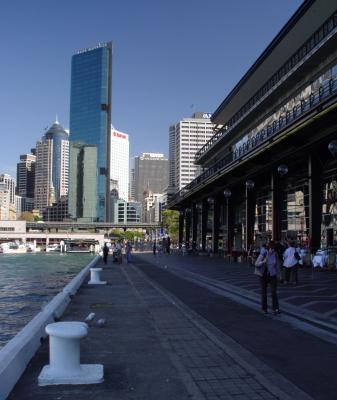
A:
(270, 276)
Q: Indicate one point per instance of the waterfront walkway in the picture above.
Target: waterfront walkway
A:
(175, 330)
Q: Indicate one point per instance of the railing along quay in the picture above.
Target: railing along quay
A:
(316, 40)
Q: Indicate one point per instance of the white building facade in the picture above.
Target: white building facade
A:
(52, 167)
(119, 173)
(7, 197)
(186, 137)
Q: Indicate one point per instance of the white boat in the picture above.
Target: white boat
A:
(12, 248)
(52, 247)
(32, 247)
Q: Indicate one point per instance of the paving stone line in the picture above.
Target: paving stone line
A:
(216, 372)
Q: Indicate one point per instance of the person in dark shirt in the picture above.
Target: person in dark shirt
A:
(105, 253)
(270, 276)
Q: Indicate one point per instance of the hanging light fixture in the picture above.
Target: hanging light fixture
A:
(250, 184)
(282, 169)
(332, 146)
(227, 193)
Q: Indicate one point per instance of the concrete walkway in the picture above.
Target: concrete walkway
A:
(315, 296)
(154, 346)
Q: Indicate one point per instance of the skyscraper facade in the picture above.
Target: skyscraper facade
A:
(52, 167)
(90, 124)
(25, 175)
(119, 173)
(82, 196)
(151, 174)
(7, 197)
(186, 137)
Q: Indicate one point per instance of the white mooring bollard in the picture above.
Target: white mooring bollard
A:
(95, 278)
(64, 357)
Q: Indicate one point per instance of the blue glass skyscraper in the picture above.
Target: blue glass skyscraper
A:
(90, 125)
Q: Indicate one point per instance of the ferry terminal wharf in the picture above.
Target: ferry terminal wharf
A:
(169, 337)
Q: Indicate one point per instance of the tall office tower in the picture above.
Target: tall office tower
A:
(7, 197)
(10, 184)
(119, 172)
(90, 124)
(186, 137)
(82, 201)
(132, 188)
(52, 167)
(25, 175)
(4, 202)
(151, 174)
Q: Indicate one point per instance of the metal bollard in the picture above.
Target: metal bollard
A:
(64, 357)
(95, 278)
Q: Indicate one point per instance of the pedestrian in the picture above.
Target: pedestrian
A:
(290, 262)
(154, 248)
(128, 249)
(105, 253)
(269, 276)
(250, 255)
(168, 244)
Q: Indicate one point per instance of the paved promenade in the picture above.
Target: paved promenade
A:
(315, 295)
(174, 337)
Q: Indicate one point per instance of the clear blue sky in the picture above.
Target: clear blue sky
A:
(168, 55)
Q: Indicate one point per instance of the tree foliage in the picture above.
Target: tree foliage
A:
(170, 220)
(26, 216)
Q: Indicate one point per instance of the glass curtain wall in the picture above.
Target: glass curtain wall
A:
(329, 211)
(295, 212)
(263, 228)
(239, 234)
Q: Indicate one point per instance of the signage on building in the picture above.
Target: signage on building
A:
(207, 115)
(119, 135)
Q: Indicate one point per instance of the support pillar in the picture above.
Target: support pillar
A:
(315, 202)
(187, 226)
(215, 225)
(181, 228)
(194, 226)
(250, 217)
(276, 187)
(204, 217)
(231, 216)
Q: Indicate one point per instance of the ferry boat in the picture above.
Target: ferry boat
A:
(81, 246)
(13, 248)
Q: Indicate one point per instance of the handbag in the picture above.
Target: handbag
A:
(260, 265)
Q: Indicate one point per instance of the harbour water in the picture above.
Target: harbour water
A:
(28, 282)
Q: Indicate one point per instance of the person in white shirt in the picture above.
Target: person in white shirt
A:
(290, 263)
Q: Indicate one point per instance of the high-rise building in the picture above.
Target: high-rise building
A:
(132, 187)
(151, 207)
(90, 124)
(186, 137)
(10, 184)
(25, 175)
(151, 174)
(119, 172)
(124, 212)
(52, 167)
(4, 202)
(7, 197)
(82, 195)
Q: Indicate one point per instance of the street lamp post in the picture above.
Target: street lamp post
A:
(227, 193)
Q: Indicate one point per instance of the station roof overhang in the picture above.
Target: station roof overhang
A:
(306, 20)
(309, 135)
